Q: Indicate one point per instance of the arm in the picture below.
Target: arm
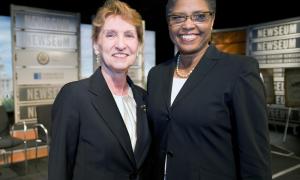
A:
(249, 108)
(65, 132)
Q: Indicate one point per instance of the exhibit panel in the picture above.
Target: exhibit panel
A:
(45, 55)
(276, 46)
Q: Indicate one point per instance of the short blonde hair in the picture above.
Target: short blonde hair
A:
(115, 7)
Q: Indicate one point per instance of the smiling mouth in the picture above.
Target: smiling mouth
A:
(120, 55)
(188, 37)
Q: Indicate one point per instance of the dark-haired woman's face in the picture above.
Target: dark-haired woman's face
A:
(190, 25)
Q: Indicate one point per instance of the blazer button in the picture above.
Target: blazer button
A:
(170, 153)
(133, 176)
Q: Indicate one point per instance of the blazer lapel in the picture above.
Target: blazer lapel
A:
(143, 132)
(105, 105)
(168, 81)
(203, 67)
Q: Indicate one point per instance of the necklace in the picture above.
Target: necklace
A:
(179, 73)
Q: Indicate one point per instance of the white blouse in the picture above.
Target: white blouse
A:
(127, 108)
(177, 85)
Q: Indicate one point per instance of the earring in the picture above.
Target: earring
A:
(138, 52)
(97, 58)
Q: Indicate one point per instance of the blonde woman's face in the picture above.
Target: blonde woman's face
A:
(117, 44)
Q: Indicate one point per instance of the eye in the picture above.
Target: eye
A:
(201, 17)
(176, 18)
(129, 35)
(110, 34)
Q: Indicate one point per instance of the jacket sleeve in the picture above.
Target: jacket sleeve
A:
(65, 132)
(251, 126)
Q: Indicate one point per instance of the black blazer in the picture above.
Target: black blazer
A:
(216, 128)
(89, 138)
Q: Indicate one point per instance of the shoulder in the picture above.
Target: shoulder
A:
(75, 86)
(160, 68)
(72, 91)
(240, 63)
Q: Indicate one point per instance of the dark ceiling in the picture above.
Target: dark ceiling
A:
(230, 14)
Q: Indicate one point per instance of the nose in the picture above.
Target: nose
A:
(188, 23)
(120, 44)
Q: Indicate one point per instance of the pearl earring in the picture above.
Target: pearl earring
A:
(97, 58)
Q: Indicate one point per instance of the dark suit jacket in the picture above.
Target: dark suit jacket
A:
(216, 128)
(89, 138)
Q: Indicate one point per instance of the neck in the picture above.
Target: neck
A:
(117, 82)
(186, 63)
(191, 60)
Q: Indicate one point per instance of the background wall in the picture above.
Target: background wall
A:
(230, 14)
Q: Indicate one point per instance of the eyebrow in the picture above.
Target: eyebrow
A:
(131, 30)
(194, 12)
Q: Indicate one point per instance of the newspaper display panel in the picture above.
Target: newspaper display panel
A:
(45, 56)
(276, 46)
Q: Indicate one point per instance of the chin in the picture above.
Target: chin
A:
(121, 68)
(188, 50)
(191, 49)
